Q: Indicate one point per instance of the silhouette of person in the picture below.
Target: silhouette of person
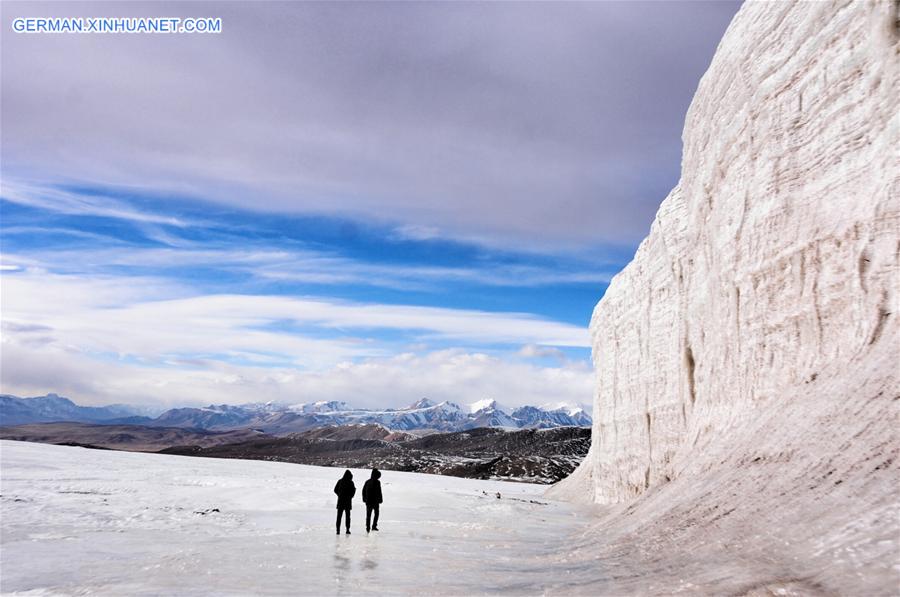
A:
(372, 497)
(345, 490)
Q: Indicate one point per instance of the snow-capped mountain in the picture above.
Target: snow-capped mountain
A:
(543, 418)
(221, 416)
(421, 403)
(424, 414)
(487, 413)
(487, 404)
(280, 419)
(321, 407)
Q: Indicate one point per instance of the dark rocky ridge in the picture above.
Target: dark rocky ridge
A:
(539, 456)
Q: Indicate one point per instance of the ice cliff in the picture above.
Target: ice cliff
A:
(747, 359)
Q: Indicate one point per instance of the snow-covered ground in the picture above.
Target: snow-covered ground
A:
(79, 521)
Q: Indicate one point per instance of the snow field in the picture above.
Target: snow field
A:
(79, 521)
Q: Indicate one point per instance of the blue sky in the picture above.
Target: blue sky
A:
(371, 203)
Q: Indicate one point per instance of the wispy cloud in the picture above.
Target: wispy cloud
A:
(534, 351)
(308, 266)
(109, 342)
(151, 320)
(201, 309)
(55, 199)
(371, 178)
(416, 232)
(525, 124)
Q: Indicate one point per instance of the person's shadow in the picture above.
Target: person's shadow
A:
(341, 562)
(370, 557)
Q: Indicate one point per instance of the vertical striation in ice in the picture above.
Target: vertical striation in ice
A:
(755, 332)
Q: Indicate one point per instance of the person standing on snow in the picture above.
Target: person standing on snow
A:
(372, 497)
(345, 490)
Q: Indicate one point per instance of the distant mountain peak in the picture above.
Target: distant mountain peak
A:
(421, 403)
(486, 404)
(568, 407)
(322, 406)
(271, 417)
(52, 397)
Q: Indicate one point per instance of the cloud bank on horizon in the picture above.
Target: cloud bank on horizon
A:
(370, 202)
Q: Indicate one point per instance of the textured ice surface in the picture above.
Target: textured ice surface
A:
(745, 418)
(79, 521)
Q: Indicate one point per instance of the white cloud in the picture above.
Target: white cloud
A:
(375, 382)
(533, 351)
(112, 339)
(309, 266)
(448, 375)
(553, 124)
(135, 313)
(61, 201)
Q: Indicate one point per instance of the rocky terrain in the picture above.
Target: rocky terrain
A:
(540, 445)
(537, 456)
(745, 416)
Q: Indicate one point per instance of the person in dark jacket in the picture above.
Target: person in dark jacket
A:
(345, 490)
(372, 497)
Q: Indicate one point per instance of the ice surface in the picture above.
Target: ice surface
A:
(770, 276)
(746, 407)
(114, 523)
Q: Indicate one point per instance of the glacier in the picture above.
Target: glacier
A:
(745, 416)
(746, 405)
(78, 521)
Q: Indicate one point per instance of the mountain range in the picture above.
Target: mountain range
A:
(280, 419)
(53, 408)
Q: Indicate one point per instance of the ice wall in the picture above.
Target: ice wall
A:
(747, 358)
(770, 275)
